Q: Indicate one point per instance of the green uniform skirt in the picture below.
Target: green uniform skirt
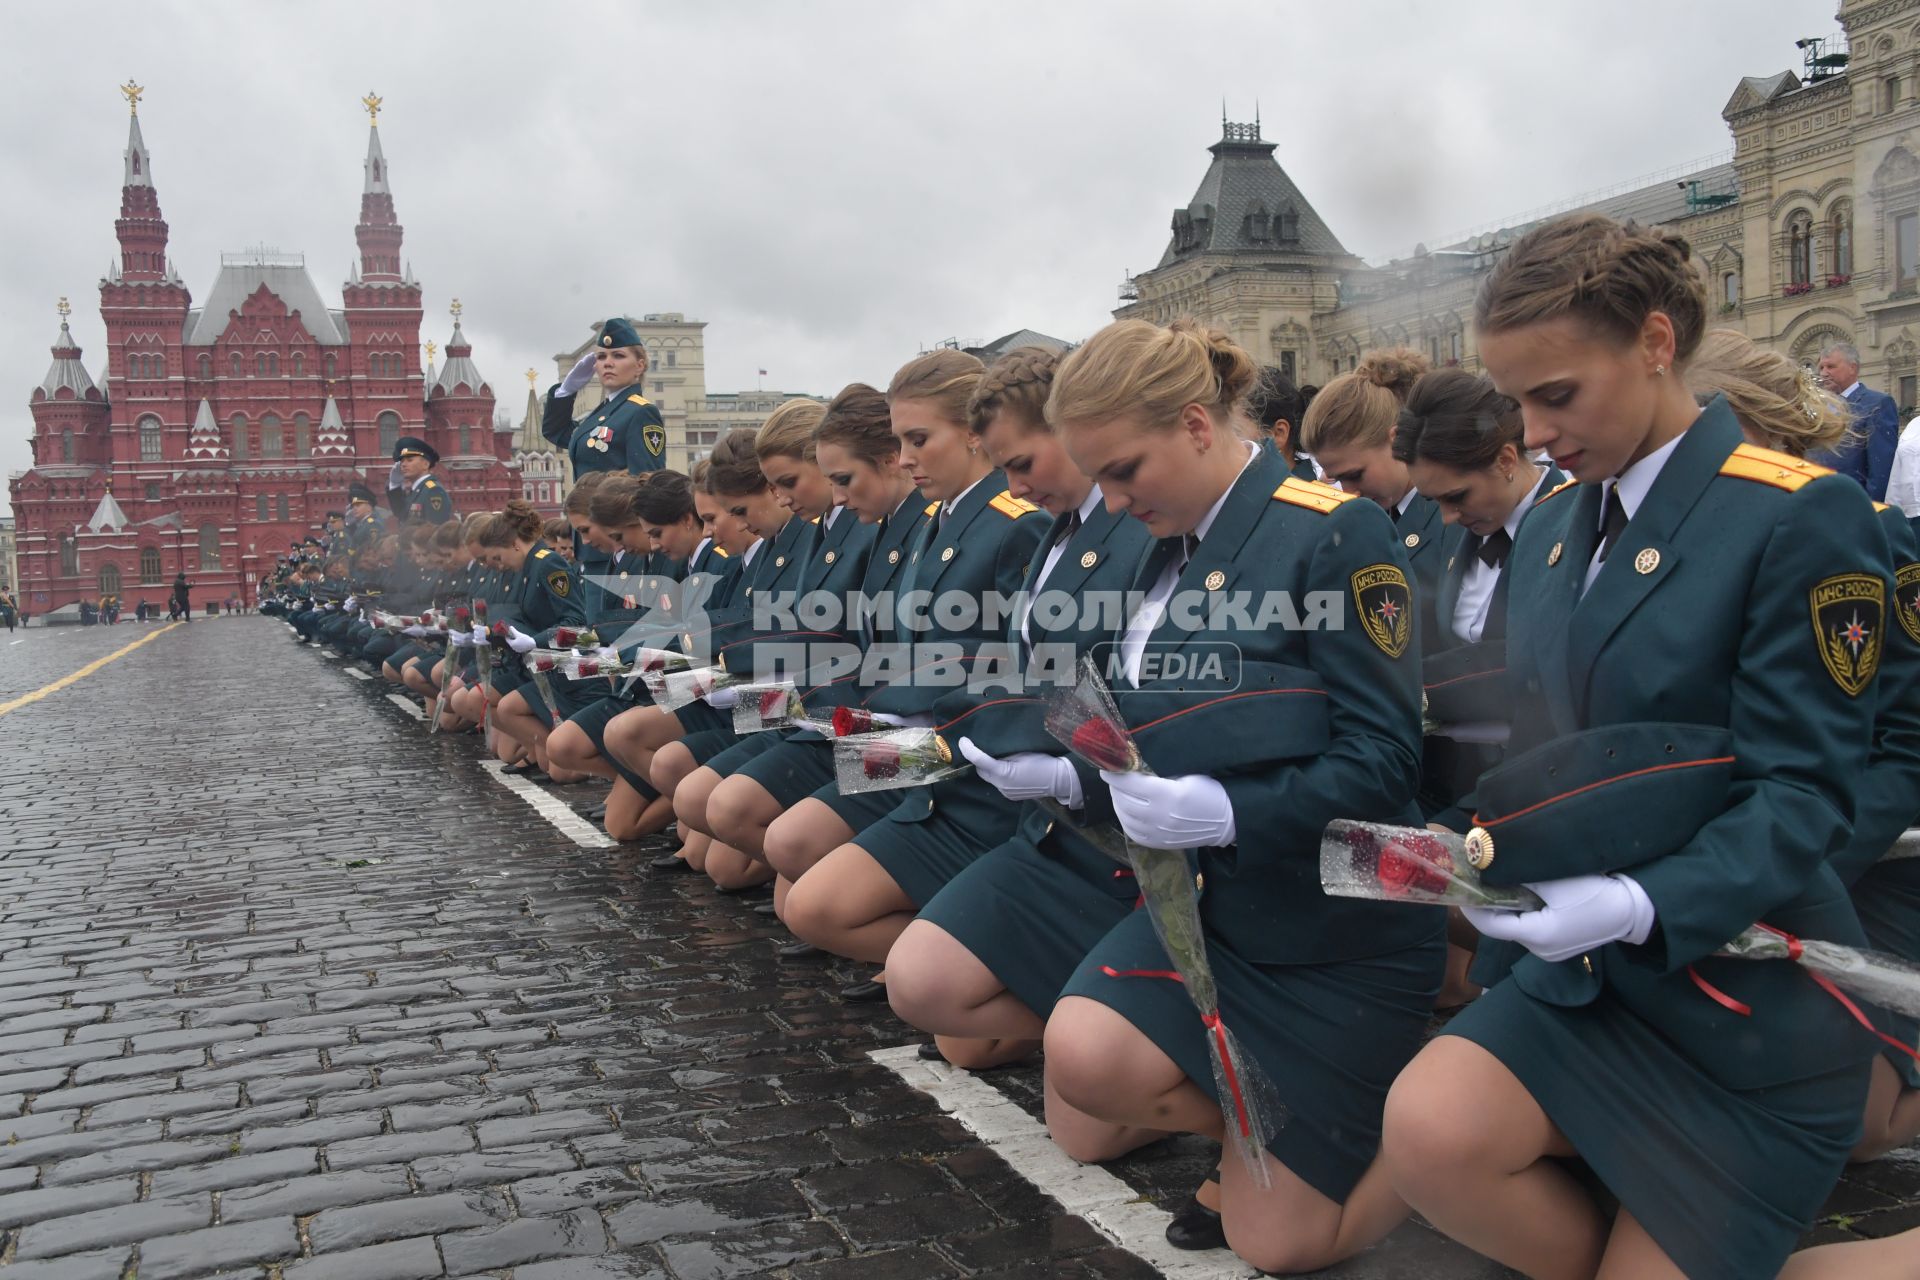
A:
(1724, 1180)
(1031, 916)
(923, 851)
(1330, 1037)
(1887, 899)
(792, 771)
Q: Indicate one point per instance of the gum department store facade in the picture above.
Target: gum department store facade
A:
(1808, 234)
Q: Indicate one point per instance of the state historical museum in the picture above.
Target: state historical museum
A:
(220, 435)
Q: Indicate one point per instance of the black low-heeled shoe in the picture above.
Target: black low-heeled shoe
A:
(797, 950)
(670, 862)
(1196, 1227)
(930, 1052)
(518, 770)
(868, 992)
(765, 908)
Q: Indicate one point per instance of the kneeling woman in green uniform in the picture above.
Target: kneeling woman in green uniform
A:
(1780, 407)
(1330, 1002)
(540, 595)
(1695, 672)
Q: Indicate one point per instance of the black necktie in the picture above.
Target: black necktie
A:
(1614, 524)
(1494, 547)
(1072, 527)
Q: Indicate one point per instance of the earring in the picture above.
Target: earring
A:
(1659, 371)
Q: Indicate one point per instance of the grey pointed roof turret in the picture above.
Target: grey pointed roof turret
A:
(332, 439)
(376, 165)
(66, 371)
(204, 443)
(137, 164)
(107, 515)
(1246, 203)
(459, 368)
(531, 440)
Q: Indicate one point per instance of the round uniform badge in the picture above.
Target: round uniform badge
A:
(830, 557)
(1553, 556)
(779, 562)
(1088, 560)
(893, 556)
(1413, 540)
(1647, 561)
(1479, 849)
(946, 555)
(1216, 580)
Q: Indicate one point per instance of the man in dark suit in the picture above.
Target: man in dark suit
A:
(1867, 454)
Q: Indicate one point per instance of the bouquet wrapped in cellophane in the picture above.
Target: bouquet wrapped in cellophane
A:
(768, 706)
(1388, 863)
(675, 689)
(1084, 719)
(892, 759)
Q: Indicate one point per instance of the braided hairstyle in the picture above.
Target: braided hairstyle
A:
(1608, 275)
(1456, 419)
(1360, 408)
(1773, 397)
(1139, 371)
(1016, 384)
(521, 521)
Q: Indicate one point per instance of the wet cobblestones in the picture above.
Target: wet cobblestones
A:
(224, 1048)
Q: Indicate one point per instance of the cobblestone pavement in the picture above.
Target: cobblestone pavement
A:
(289, 988)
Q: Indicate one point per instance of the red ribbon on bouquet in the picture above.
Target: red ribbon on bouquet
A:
(1820, 980)
(1213, 1024)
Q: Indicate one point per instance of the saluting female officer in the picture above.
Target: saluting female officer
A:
(1696, 672)
(626, 432)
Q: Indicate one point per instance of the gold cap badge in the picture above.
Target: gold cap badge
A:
(1479, 849)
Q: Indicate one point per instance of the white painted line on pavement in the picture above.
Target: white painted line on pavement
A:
(1113, 1207)
(356, 673)
(14, 642)
(328, 653)
(561, 815)
(407, 705)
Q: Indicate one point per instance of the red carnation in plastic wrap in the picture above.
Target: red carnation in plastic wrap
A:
(848, 720)
(480, 609)
(588, 667)
(1415, 864)
(1106, 747)
(565, 637)
(462, 619)
(772, 703)
(543, 664)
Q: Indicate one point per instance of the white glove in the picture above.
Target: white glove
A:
(459, 640)
(395, 478)
(479, 635)
(723, 699)
(1188, 812)
(581, 373)
(352, 601)
(606, 653)
(902, 722)
(1583, 913)
(416, 632)
(519, 641)
(1027, 775)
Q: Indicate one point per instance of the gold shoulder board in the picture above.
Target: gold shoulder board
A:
(1311, 494)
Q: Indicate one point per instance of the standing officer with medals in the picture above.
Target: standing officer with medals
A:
(416, 496)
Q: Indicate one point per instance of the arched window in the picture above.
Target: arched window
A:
(234, 359)
(1889, 94)
(466, 440)
(69, 557)
(260, 506)
(1840, 236)
(149, 566)
(545, 492)
(280, 506)
(326, 364)
(273, 441)
(209, 548)
(299, 364)
(389, 432)
(159, 365)
(109, 579)
(239, 443)
(66, 445)
(149, 439)
(260, 365)
(302, 435)
(1730, 289)
(672, 359)
(205, 365)
(1800, 250)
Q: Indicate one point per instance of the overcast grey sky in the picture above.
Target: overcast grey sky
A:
(831, 186)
